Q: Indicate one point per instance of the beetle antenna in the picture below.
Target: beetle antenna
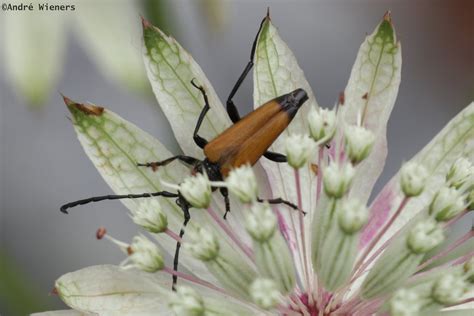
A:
(66, 206)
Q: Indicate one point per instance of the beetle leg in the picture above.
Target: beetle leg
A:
(154, 165)
(225, 194)
(230, 106)
(276, 157)
(116, 197)
(281, 201)
(200, 141)
(185, 208)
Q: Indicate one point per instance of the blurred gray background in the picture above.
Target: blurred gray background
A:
(42, 164)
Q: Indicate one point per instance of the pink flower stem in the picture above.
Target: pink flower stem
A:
(193, 279)
(303, 238)
(320, 172)
(380, 234)
(446, 251)
(226, 228)
(173, 235)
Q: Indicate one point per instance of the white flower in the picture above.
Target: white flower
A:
(322, 124)
(202, 244)
(353, 216)
(144, 255)
(405, 303)
(261, 259)
(449, 289)
(150, 216)
(299, 149)
(260, 222)
(447, 203)
(197, 190)
(337, 179)
(265, 293)
(425, 236)
(242, 183)
(359, 142)
(413, 178)
(461, 171)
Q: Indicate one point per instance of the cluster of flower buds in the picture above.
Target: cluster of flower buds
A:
(299, 150)
(456, 194)
(359, 143)
(150, 216)
(413, 178)
(143, 255)
(431, 293)
(322, 124)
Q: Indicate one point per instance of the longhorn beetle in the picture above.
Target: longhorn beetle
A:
(242, 143)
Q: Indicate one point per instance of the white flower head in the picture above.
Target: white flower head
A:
(461, 172)
(202, 243)
(413, 178)
(424, 236)
(264, 293)
(447, 203)
(449, 288)
(299, 149)
(197, 190)
(145, 255)
(243, 184)
(260, 222)
(322, 124)
(359, 142)
(337, 179)
(405, 303)
(353, 215)
(187, 302)
(150, 216)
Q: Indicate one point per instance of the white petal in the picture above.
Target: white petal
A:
(455, 139)
(110, 35)
(170, 70)
(370, 94)
(114, 147)
(108, 290)
(277, 72)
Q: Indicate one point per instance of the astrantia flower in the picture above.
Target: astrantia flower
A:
(342, 258)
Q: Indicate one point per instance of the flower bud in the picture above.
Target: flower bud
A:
(337, 179)
(150, 216)
(359, 143)
(446, 204)
(413, 178)
(242, 183)
(405, 303)
(449, 289)
(197, 190)
(145, 255)
(424, 236)
(460, 172)
(202, 244)
(264, 293)
(322, 124)
(299, 149)
(260, 222)
(353, 216)
(187, 302)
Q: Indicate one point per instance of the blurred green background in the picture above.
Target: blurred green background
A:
(94, 54)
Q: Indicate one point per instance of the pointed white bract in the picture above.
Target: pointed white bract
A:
(314, 253)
